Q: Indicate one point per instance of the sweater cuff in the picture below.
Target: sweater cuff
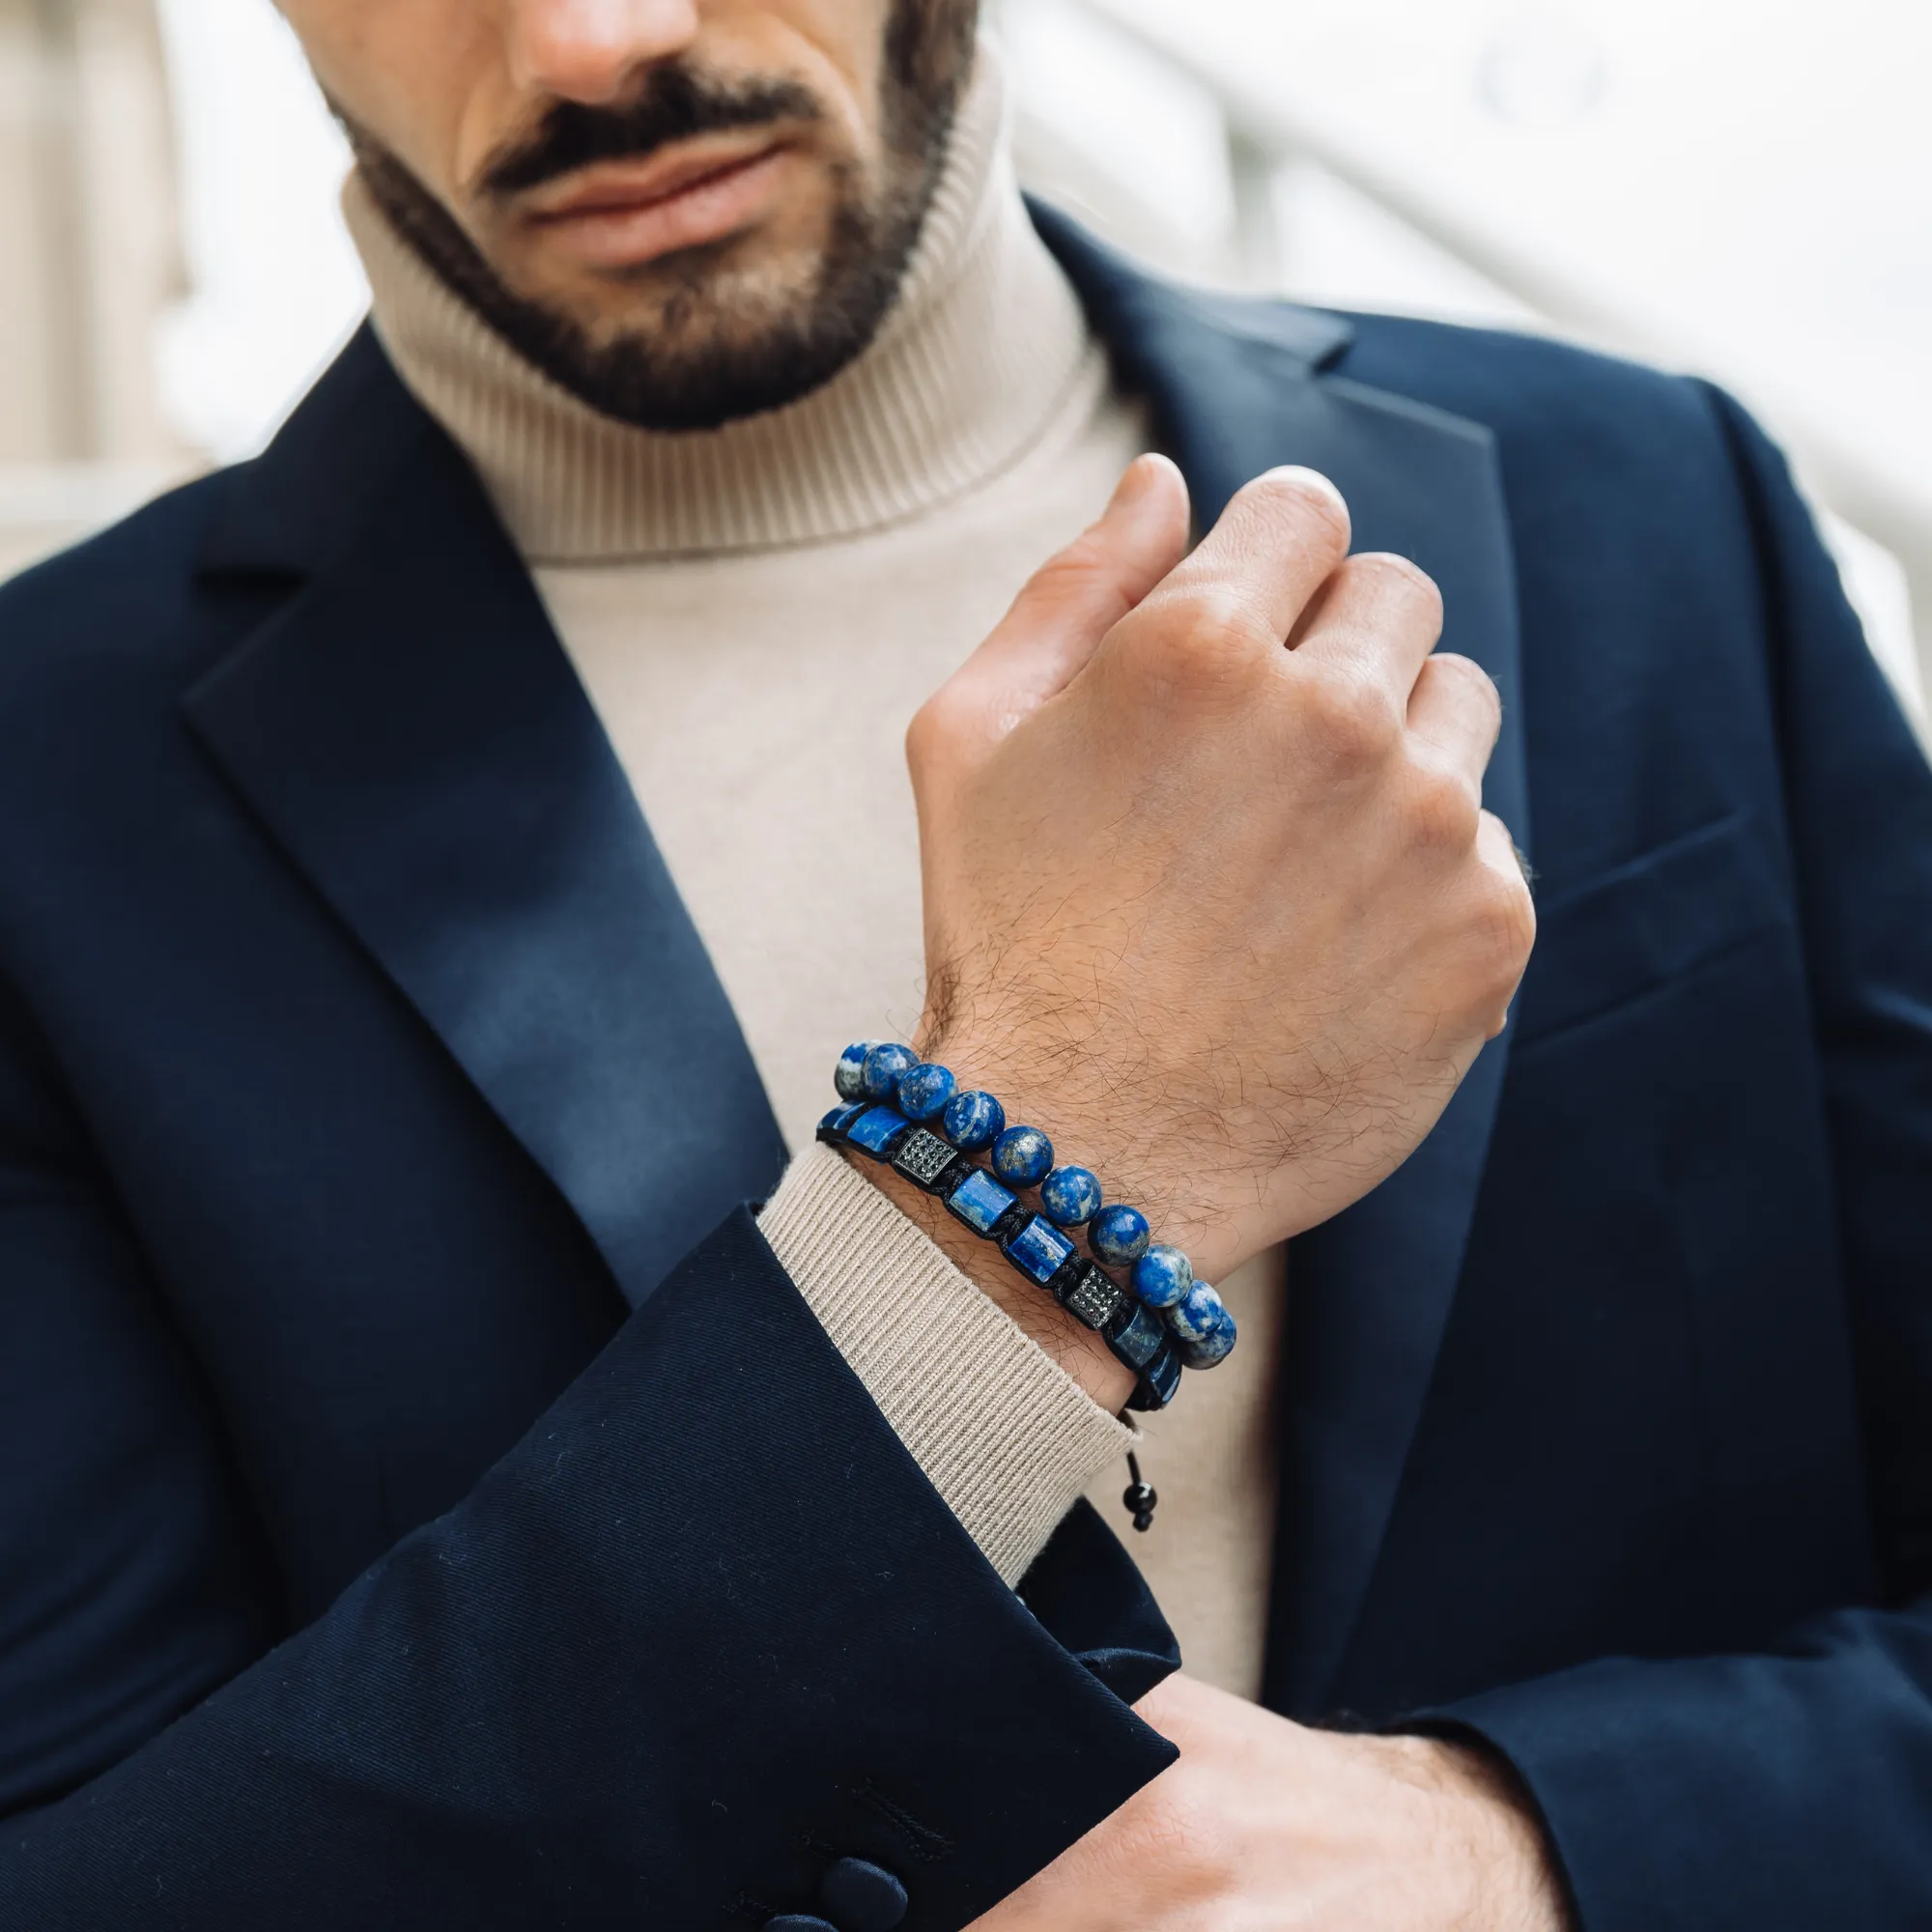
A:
(1005, 1434)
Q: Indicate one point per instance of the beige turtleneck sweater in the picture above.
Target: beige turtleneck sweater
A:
(756, 612)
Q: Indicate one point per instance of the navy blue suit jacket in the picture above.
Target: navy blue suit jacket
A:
(423, 1499)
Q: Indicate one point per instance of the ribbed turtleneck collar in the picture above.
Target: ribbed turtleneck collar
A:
(985, 339)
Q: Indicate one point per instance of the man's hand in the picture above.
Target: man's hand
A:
(1210, 894)
(1265, 1826)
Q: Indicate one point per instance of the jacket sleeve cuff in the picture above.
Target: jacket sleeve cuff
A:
(1002, 1431)
(1782, 1788)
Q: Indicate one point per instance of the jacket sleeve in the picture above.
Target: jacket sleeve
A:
(705, 1629)
(1794, 1788)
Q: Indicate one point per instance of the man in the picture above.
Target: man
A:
(431, 1498)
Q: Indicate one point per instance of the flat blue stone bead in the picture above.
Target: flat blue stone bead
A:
(1039, 1250)
(1135, 1335)
(849, 1075)
(973, 1120)
(839, 1119)
(877, 1130)
(1070, 1195)
(979, 1200)
(1216, 1345)
(1118, 1235)
(924, 1089)
(1197, 1313)
(1162, 1276)
(1158, 1379)
(879, 1078)
(1022, 1156)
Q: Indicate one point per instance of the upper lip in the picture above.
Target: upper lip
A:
(608, 184)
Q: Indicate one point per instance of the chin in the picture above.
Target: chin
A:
(721, 293)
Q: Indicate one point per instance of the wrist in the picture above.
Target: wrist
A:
(1488, 1809)
(1096, 1259)
(1123, 1130)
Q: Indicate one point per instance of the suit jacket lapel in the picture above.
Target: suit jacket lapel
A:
(408, 729)
(1237, 387)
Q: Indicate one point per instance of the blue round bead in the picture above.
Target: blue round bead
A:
(1197, 1313)
(1162, 1276)
(1070, 1195)
(1022, 1156)
(972, 1120)
(1216, 1345)
(849, 1076)
(879, 1079)
(1118, 1235)
(924, 1089)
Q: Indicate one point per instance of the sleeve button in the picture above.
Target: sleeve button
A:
(862, 1897)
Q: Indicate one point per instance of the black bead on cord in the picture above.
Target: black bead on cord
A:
(1139, 1496)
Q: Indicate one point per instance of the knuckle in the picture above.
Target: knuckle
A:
(919, 740)
(1521, 932)
(1351, 721)
(934, 730)
(1445, 810)
(923, 733)
(1196, 643)
(1506, 927)
(1214, 612)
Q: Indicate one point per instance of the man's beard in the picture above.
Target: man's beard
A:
(698, 367)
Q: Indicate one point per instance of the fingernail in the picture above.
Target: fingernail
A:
(1309, 480)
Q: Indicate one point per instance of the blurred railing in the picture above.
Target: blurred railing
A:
(1265, 140)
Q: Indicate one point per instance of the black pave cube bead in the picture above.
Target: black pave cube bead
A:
(1089, 1294)
(1135, 1334)
(1159, 1381)
(925, 1160)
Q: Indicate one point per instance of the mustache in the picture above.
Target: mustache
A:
(676, 103)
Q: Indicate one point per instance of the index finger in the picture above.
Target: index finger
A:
(1278, 541)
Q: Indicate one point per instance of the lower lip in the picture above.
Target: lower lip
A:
(630, 233)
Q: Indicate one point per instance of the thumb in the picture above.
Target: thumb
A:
(1075, 598)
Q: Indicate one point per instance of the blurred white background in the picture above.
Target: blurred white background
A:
(1743, 189)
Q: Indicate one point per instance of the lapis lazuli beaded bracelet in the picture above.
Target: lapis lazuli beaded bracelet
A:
(1164, 1320)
